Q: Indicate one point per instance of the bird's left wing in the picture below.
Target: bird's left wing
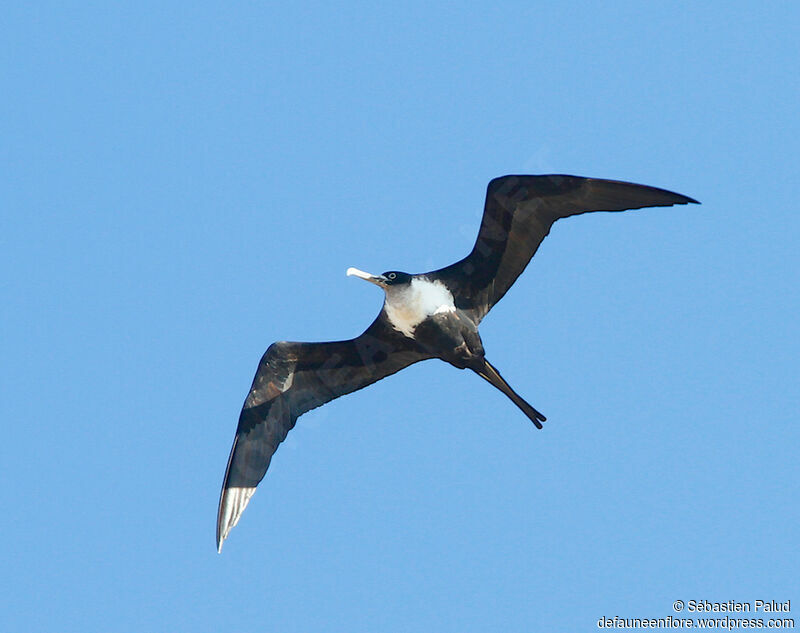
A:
(518, 215)
(293, 378)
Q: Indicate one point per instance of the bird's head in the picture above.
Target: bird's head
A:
(386, 280)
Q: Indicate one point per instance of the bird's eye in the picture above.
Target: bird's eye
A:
(392, 276)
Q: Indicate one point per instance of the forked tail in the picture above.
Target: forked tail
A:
(491, 375)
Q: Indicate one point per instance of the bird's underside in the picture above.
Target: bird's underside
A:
(431, 315)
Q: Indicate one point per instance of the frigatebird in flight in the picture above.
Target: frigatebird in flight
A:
(428, 315)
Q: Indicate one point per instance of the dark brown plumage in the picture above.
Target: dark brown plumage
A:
(430, 315)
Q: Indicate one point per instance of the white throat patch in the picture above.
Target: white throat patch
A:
(408, 305)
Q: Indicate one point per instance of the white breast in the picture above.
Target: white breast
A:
(408, 305)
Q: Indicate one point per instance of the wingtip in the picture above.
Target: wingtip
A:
(684, 199)
(233, 501)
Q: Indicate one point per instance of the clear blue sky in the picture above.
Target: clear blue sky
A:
(183, 184)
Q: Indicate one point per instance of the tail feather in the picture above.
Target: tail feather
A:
(491, 375)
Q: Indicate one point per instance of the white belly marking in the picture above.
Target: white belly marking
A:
(408, 305)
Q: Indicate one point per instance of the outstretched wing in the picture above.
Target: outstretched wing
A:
(518, 214)
(293, 378)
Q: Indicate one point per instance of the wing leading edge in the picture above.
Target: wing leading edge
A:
(518, 215)
(293, 378)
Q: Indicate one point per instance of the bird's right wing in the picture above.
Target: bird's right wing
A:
(293, 378)
(518, 214)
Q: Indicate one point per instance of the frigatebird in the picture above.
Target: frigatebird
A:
(429, 315)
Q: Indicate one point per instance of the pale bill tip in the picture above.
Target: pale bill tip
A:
(355, 272)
